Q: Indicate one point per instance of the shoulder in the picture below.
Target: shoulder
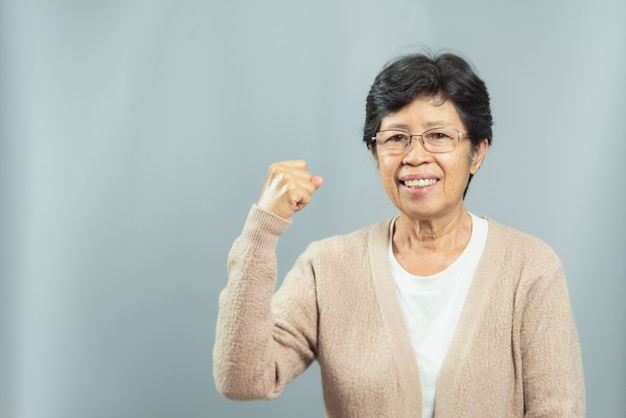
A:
(519, 249)
(352, 243)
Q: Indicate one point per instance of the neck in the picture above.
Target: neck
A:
(432, 235)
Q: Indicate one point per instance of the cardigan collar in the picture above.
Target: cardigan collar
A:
(391, 310)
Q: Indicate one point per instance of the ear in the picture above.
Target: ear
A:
(478, 155)
(373, 152)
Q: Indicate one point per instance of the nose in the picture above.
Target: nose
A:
(413, 139)
(415, 151)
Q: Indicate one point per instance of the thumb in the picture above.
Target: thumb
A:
(316, 181)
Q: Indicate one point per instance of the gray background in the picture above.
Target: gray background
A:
(135, 135)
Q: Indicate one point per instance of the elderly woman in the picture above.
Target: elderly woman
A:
(434, 312)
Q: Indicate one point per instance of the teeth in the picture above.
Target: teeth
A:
(420, 182)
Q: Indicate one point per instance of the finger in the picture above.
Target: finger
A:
(311, 185)
(293, 163)
(295, 176)
(317, 181)
(288, 188)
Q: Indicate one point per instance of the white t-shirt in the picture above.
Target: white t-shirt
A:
(432, 306)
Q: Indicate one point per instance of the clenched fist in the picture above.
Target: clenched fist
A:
(288, 188)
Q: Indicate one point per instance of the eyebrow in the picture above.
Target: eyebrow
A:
(437, 124)
(428, 125)
(398, 126)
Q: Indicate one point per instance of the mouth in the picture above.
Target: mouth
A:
(419, 183)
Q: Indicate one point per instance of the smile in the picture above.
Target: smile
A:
(420, 183)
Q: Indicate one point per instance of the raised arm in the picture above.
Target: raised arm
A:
(262, 345)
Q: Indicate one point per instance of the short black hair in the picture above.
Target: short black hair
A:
(446, 76)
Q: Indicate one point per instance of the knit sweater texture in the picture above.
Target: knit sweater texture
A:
(514, 353)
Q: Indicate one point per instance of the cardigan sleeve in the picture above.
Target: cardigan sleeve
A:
(551, 357)
(263, 341)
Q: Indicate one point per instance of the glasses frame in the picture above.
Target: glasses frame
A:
(421, 138)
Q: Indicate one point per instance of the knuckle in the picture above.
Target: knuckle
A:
(274, 168)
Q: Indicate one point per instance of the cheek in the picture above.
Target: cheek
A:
(388, 173)
(456, 169)
(460, 171)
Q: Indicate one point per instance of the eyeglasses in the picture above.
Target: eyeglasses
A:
(393, 141)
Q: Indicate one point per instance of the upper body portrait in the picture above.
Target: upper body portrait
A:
(432, 312)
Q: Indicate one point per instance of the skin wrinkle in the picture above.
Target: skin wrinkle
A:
(433, 227)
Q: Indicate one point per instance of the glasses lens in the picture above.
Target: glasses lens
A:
(440, 139)
(392, 141)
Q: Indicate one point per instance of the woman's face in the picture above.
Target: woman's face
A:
(443, 176)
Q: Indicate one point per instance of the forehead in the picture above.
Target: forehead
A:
(424, 113)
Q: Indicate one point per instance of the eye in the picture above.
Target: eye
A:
(440, 135)
(396, 137)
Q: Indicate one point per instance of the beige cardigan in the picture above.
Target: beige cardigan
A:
(514, 353)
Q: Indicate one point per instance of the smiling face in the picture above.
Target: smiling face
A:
(428, 186)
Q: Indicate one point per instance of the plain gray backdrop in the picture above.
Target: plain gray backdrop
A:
(135, 135)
